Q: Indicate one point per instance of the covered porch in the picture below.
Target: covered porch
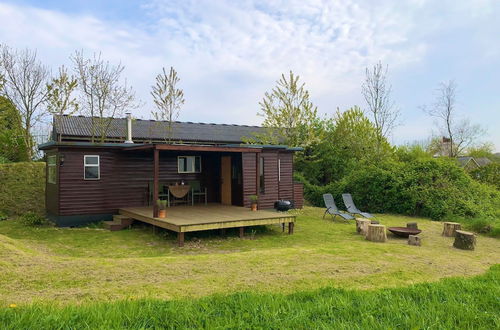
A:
(186, 218)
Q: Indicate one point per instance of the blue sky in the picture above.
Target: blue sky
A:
(228, 53)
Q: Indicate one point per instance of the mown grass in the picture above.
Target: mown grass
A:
(458, 303)
(75, 266)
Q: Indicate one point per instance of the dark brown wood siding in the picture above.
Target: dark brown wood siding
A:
(286, 176)
(124, 179)
(270, 193)
(249, 163)
(298, 194)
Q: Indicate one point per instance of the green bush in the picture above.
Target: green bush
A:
(22, 188)
(489, 174)
(435, 188)
(3, 216)
(32, 219)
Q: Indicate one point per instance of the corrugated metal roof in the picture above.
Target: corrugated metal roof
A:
(80, 126)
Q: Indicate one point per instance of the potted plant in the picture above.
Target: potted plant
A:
(254, 199)
(162, 208)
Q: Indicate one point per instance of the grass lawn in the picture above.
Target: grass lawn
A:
(65, 266)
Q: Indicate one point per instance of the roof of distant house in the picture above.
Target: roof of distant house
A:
(483, 161)
(80, 128)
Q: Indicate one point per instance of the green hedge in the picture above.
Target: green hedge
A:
(435, 188)
(22, 188)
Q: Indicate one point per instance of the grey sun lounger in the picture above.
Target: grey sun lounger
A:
(351, 208)
(332, 209)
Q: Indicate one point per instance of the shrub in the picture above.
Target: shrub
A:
(32, 219)
(489, 174)
(3, 216)
(22, 188)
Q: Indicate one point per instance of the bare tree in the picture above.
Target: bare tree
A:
(60, 99)
(289, 111)
(24, 84)
(377, 94)
(168, 99)
(462, 134)
(104, 95)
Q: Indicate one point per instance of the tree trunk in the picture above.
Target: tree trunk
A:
(412, 225)
(362, 226)
(464, 240)
(414, 240)
(376, 233)
(449, 228)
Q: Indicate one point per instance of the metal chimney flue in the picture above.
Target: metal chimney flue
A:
(129, 128)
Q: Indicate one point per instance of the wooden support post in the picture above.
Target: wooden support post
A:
(156, 185)
(449, 228)
(290, 228)
(242, 232)
(180, 239)
(283, 227)
(464, 240)
(376, 233)
(362, 226)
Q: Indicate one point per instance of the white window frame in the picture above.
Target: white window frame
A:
(194, 164)
(52, 165)
(98, 165)
(279, 170)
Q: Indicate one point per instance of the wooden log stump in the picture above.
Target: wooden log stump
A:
(414, 240)
(449, 228)
(362, 226)
(412, 225)
(376, 233)
(464, 240)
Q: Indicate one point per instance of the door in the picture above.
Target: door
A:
(225, 177)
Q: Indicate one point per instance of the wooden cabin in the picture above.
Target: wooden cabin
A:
(134, 167)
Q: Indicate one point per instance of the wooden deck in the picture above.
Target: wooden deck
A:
(187, 218)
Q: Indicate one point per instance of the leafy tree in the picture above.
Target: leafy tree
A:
(377, 94)
(484, 150)
(168, 99)
(489, 174)
(24, 84)
(462, 134)
(288, 110)
(60, 100)
(104, 94)
(12, 144)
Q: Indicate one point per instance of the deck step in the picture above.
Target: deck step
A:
(119, 222)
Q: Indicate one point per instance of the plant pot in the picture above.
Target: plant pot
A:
(254, 206)
(162, 213)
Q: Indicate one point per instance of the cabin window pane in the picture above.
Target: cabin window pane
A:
(91, 166)
(51, 169)
(189, 164)
(261, 175)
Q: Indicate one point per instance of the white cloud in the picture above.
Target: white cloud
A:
(228, 53)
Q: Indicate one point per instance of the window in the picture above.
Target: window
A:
(51, 169)
(189, 164)
(261, 175)
(91, 165)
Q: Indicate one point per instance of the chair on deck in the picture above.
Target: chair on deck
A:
(197, 190)
(162, 194)
(332, 209)
(351, 207)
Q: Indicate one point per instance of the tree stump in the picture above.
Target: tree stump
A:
(362, 226)
(449, 228)
(464, 240)
(376, 233)
(412, 225)
(414, 240)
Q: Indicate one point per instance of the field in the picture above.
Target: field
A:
(323, 268)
